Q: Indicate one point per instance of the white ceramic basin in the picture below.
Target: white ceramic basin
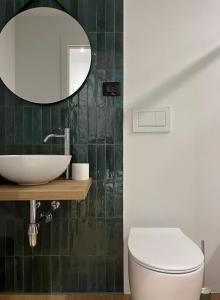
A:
(33, 169)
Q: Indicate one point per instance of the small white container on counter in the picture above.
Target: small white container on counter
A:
(80, 171)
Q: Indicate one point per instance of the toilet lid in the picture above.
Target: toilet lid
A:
(166, 250)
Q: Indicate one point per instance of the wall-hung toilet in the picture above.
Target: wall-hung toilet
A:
(164, 264)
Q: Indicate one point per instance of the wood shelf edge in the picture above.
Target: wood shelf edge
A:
(55, 190)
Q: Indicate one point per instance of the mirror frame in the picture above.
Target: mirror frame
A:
(23, 9)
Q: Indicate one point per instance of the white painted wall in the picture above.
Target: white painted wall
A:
(172, 57)
(7, 55)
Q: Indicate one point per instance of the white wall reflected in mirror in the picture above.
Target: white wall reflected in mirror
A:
(79, 60)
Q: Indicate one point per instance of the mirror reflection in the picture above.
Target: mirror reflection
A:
(45, 55)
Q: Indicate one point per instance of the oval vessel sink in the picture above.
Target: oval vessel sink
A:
(33, 169)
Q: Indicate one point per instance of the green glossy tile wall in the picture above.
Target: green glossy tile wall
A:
(82, 249)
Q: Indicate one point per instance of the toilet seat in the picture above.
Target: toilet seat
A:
(165, 250)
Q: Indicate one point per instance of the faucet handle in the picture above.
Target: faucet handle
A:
(58, 130)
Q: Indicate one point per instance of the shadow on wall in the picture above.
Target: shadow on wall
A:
(178, 80)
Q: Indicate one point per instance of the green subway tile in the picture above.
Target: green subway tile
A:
(2, 274)
(101, 237)
(119, 125)
(83, 13)
(9, 125)
(93, 43)
(109, 198)
(74, 209)
(27, 126)
(101, 162)
(9, 274)
(74, 236)
(56, 122)
(119, 50)
(99, 81)
(83, 267)
(101, 274)
(64, 237)
(101, 15)
(91, 90)
(37, 273)
(18, 120)
(101, 125)
(2, 125)
(2, 237)
(119, 15)
(10, 237)
(110, 15)
(10, 98)
(119, 274)
(45, 274)
(19, 237)
(2, 93)
(63, 211)
(37, 124)
(79, 153)
(87, 234)
(72, 7)
(55, 274)
(110, 237)
(119, 162)
(45, 241)
(101, 51)
(69, 273)
(91, 274)
(110, 125)
(83, 95)
(92, 159)
(28, 275)
(21, 211)
(92, 126)
(91, 200)
(46, 120)
(118, 198)
(100, 199)
(83, 125)
(110, 162)
(110, 274)
(57, 149)
(55, 237)
(110, 51)
(19, 274)
(92, 15)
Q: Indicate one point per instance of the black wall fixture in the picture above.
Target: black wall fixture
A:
(111, 89)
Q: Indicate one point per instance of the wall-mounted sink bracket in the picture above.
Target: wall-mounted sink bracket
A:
(34, 225)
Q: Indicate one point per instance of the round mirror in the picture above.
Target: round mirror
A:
(45, 55)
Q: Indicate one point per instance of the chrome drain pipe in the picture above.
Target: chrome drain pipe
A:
(33, 226)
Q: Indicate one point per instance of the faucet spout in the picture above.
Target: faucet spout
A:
(49, 136)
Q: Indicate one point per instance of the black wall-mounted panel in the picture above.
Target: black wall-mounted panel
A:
(111, 89)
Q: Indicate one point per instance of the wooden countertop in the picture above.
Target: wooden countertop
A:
(55, 190)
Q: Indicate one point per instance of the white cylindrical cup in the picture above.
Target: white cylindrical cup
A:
(80, 171)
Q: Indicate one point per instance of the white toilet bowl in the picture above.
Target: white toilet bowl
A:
(164, 264)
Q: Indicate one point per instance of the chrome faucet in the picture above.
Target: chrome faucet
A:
(66, 137)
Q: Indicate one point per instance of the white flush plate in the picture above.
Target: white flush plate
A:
(156, 119)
